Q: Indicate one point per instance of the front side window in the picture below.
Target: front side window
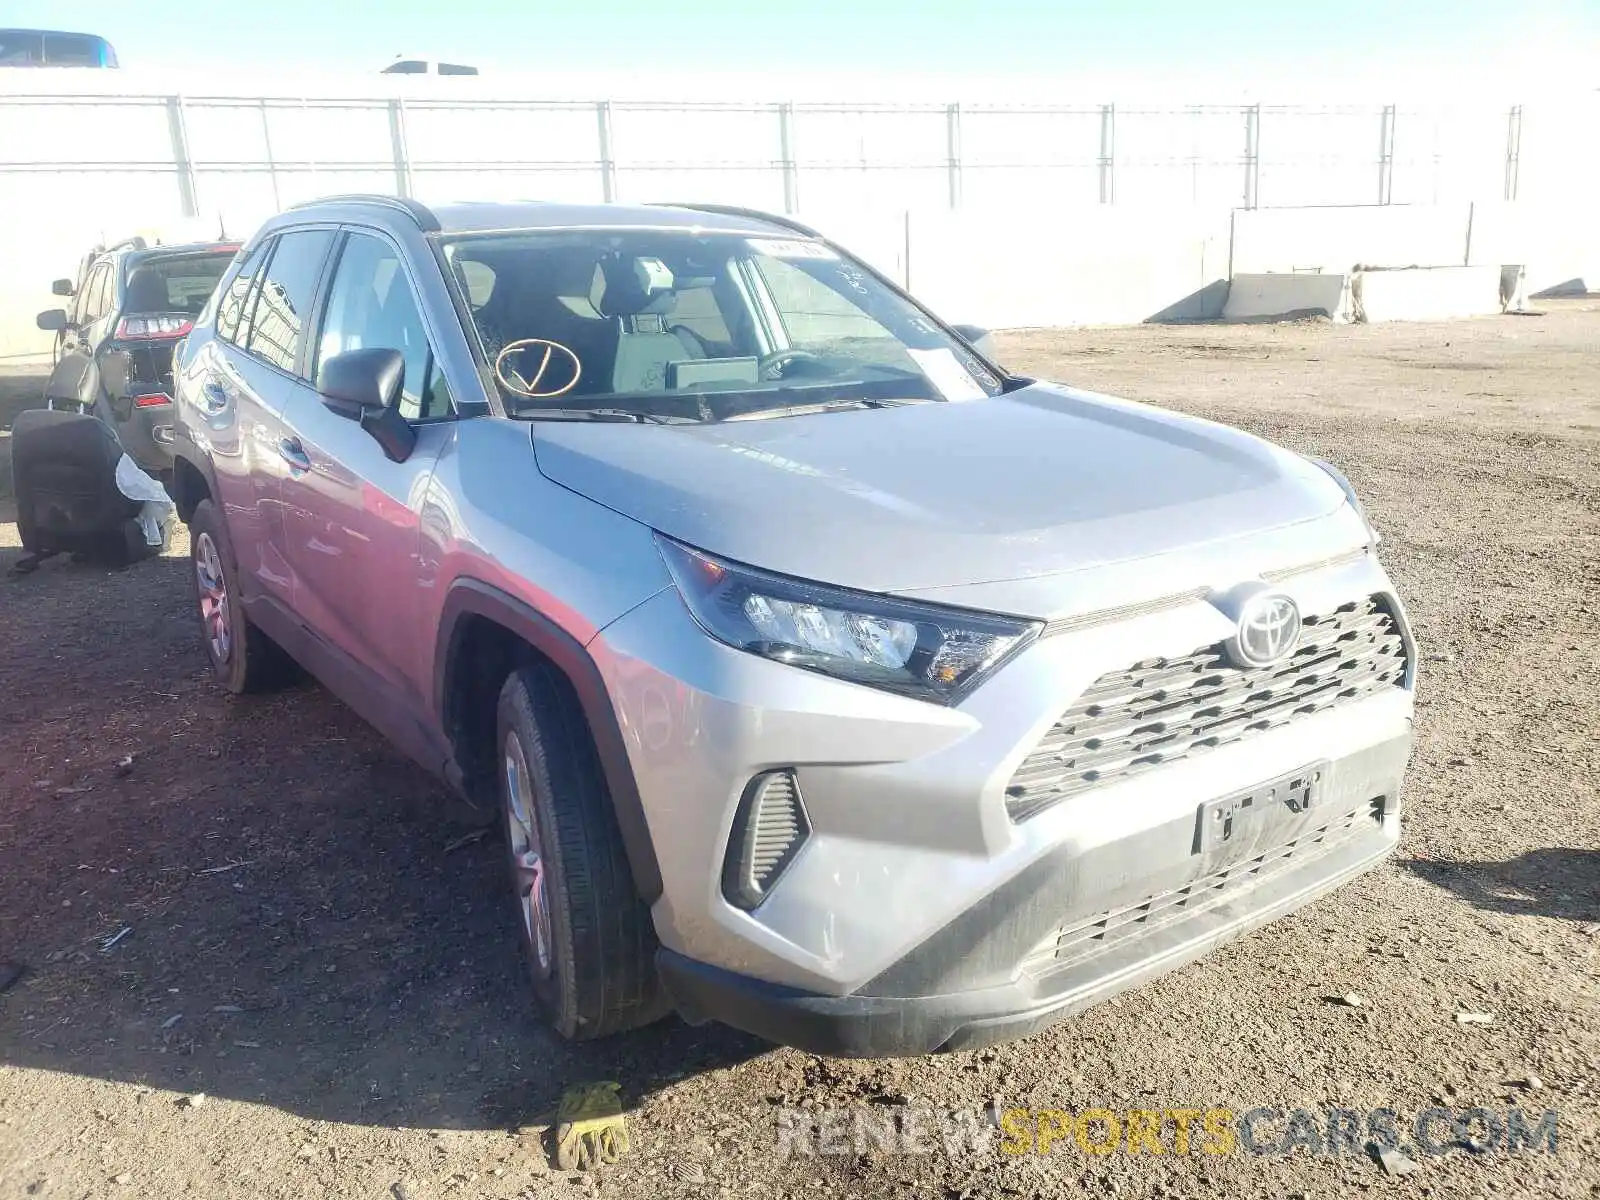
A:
(371, 306)
(283, 301)
(687, 325)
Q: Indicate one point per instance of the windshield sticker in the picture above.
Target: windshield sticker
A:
(854, 278)
(791, 248)
(949, 378)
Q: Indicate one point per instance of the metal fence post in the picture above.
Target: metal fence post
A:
(272, 164)
(791, 169)
(608, 165)
(397, 145)
(188, 192)
(1252, 156)
(952, 132)
(1513, 149)
(1108, 153)
(1386, 155)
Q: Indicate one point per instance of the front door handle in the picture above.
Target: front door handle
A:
(293, 453)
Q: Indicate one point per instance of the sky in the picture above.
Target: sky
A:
(1206, 49)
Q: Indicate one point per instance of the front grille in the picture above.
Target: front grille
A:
(1161, 710)
(1073, 944)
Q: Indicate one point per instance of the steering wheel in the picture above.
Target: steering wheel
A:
(772, 365)
(514, 381)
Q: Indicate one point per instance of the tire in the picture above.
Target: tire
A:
(592, 958)
(243, 659)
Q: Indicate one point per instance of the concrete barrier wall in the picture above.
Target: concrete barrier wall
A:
(1093, 265)
(1028, 244)
(1338, 239)
(1557, 243)
(1001, 266)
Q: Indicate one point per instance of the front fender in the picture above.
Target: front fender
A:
(471, 597)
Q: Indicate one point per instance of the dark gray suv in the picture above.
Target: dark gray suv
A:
(829, 680)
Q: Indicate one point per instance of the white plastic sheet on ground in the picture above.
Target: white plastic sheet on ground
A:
(157, 507)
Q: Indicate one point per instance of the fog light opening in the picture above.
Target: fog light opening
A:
(769, 830)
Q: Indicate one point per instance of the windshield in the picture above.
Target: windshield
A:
(683, 325)
(174, 283)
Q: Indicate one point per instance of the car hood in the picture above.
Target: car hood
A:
(1042, 480)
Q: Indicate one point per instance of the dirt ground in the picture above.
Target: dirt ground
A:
(304, 946)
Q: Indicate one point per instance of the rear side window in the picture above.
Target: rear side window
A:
(232, 305)
(277, 320)
(95, 299)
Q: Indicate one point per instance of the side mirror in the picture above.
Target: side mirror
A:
(62, 287)
(363, 386)
(52, 320)
(391, 431)
(352, 382)
(978, 338)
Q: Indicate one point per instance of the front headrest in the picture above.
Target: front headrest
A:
(633, 285)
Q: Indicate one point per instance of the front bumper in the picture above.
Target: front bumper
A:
(918, 914)
(1159, 922)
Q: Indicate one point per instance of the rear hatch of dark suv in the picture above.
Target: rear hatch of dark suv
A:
(164, 290)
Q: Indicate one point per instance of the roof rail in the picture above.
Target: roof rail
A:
(418, 212)
(755, 214)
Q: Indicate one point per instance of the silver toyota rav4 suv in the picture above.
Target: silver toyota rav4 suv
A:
(829, 680)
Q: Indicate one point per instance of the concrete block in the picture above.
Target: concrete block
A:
(1277, 295)
(1425, 293)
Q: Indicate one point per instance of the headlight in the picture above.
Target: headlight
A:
(920, 650)
(1337, 476)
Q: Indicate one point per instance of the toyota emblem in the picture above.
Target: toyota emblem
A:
(1268, 629)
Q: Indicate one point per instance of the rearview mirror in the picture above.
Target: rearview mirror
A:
(363, 386)
(52, 320)
(978, 338)
(62, 287)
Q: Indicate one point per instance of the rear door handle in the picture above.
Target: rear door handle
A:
(213, 397)
(293, 453)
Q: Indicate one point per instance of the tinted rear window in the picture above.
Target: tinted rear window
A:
(175, 285)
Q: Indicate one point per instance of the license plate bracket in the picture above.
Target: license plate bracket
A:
(1231, 818)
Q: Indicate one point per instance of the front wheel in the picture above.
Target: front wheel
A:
(587, 936)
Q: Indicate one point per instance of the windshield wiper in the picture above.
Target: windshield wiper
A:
(797, 410)
(600, 414)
